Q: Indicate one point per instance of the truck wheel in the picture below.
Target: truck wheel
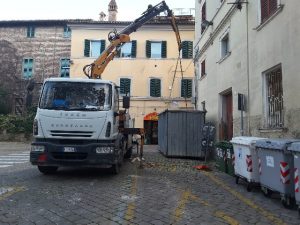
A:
(128, 153)
(47, 169)
(115, 168)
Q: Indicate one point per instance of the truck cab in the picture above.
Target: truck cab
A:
(77, 124)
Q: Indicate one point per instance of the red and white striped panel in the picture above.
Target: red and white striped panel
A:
(284, 172)
(296, 180)
(249, 163)
(259, 165)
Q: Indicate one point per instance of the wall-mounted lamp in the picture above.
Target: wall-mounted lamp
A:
(206, 23)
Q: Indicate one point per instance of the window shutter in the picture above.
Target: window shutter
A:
(186, 88)
(125, 85)
(28, 31)
(164, 49)
(102, 48)
(118, 51)
(187, 49)
(148, 49)
(87, 46)
(133, 49)
(155, 88)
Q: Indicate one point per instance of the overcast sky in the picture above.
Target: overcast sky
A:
(78, 9)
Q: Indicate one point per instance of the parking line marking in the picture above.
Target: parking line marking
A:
(265, 213)
(184, 198)
(227, 218)
(7, 192)
(131, 206)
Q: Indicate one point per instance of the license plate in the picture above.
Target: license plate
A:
(69, 149)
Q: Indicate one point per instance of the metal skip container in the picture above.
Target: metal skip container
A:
(295, 149)
(276, 169)
(180, 133)
(246, 163)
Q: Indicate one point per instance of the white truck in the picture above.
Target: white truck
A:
(79, 121)
(77, 124)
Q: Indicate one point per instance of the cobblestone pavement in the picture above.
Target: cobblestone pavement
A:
(165, 191)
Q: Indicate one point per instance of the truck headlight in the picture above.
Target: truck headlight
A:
(35, 127)
(37, 148)
(104, 150)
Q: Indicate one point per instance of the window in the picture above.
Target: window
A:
(125, 86)
(156, 49)
(93, 48)
(203, 16)
(268, 7)
(225, 46)
(203, 72)
(128, 50)
(27, 68)
(186, 88)
(155, 86)
(65, 67)
(30, 31)
(187, 49)
(67, 32)
(273, 98)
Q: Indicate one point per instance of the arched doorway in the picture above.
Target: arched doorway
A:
(151, 128)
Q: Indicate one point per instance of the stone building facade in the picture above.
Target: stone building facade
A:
(247, 54)
(31, 51)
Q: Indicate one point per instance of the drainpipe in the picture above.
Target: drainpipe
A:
(248, 71)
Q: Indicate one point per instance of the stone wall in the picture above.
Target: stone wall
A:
(47, 48)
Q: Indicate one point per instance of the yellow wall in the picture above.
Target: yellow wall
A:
(139, 69)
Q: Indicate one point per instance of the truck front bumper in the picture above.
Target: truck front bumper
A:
(52, 154)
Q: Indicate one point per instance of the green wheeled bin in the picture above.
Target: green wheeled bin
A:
(225, 157)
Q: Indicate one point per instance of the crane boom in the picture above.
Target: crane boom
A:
(117, 39)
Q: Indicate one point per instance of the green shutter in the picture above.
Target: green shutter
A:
(187, 49)
(87, 45)
(155, 88)
(164, 49)
(102, 46)
(125, 85)
(28, 31)
(133, 49)
(186, 88)
(148, 49)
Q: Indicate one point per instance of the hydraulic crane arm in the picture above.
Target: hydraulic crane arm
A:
(117, 39)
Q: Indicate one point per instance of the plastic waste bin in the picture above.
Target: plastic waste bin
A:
(225, 156)
(276, 169)
(246, 160)
(295, 149)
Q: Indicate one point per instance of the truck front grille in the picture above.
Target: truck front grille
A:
(69, 155)
(62, 133)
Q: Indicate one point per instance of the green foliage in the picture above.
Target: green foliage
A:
(17, 124)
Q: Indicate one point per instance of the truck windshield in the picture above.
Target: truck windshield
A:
(78, 96)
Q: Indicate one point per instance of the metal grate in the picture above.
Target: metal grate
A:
(274, 99)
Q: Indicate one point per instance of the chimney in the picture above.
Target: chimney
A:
(112, 10)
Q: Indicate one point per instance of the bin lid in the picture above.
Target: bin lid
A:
(245, 140)
(294, 147)
(276, 144)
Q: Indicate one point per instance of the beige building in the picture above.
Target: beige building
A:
(145, 68)
(249, 50)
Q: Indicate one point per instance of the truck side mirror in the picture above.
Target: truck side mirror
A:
(126, 102)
